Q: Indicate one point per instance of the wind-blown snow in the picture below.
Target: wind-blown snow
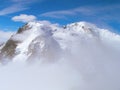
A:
(85, 58)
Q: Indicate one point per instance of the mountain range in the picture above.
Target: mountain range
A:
(42, 40)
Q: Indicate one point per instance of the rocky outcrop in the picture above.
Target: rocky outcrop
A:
(24, 28)
(9, 49)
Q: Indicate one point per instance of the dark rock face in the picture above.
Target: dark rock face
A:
(9, 49)
(24, 28)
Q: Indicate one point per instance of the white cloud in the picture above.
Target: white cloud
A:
(58, 14)
(4, 36)
(12, 9)
(24, 18)
(63, 13)
(93, 11)
(16, 6)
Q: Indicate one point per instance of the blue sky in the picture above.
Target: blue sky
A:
(103, 13)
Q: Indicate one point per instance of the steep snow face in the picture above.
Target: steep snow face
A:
(37, 39)
(44, 40)
(88, 30)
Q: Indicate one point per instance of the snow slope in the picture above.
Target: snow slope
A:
(45, 39)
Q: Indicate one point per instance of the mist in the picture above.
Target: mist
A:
(84, 65)
(63, 59)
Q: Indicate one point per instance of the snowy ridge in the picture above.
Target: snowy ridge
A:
(46, 39)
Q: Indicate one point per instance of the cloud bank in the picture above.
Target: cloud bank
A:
(16, 6)
(24, 18)
(12, 9)
(87, 66)
(86, 11)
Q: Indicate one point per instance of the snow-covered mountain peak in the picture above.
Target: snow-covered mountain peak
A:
(82, 27)
(34, 24)
(83, 24)
(47, 38)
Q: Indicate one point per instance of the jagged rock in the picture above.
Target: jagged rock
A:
(9, 49)
(24, 28)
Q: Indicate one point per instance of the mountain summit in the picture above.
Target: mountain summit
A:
(43, 40)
